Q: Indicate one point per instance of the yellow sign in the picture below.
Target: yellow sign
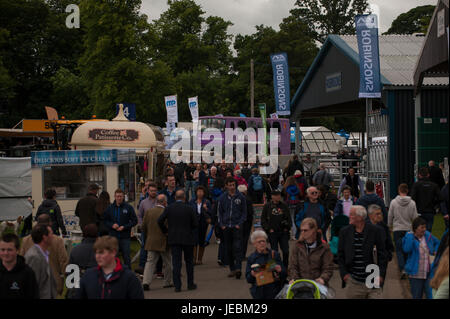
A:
(37, 126)
(45, 125)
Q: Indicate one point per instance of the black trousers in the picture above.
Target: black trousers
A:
(280, 238)
(233, 244)
(257, 197)
(177, 251)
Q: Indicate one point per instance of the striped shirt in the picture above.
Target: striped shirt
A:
(358, 271)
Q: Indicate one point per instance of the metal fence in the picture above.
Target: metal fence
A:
(378, 150)
(337, 167)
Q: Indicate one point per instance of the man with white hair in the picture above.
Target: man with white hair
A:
(156, 244)
(215, 184)
(313, 208)
(322, 177)
(356, 252)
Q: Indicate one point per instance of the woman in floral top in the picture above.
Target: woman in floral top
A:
(419, 245)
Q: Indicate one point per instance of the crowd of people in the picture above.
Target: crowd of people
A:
(306, 231)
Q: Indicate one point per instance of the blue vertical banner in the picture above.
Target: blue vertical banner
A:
(129, 110)
(369, 56)
(281, 83)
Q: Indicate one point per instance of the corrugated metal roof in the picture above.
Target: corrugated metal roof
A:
(398, 56)
(434, 51)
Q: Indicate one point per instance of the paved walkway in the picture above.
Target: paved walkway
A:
(213, 283)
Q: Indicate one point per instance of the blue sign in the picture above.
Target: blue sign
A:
(105, 157)
(281, 83)
(369, 57)
(333, 82)
(129, 110)
(171, 103)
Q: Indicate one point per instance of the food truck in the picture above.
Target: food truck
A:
(113, 154)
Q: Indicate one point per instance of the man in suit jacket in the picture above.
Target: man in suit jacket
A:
(37, 257)
(58, 257)
(156, 244)
(356, 252)
(182, 222)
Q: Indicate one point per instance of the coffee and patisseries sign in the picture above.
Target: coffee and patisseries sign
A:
(113, 135)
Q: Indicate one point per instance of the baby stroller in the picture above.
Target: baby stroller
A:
(336, 225)
(305, 289)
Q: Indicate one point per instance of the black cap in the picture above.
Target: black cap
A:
(276, 192)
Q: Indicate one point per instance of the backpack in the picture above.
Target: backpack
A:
(301, 187)
(49, 210)
(257, 183)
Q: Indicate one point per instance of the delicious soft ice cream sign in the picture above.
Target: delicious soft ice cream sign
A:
(72, 157)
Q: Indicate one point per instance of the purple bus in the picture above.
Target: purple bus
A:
(223, 122)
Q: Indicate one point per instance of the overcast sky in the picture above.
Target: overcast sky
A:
(246, 14)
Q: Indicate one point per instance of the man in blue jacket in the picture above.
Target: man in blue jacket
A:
(119, 219)
(371, 198)
(232, 213)
(170, 190)
(313, 208)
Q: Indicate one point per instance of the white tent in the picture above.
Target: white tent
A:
(15, 187)
(319, 139)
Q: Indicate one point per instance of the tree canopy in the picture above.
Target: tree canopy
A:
(326, 17)
(118, 55)
(415, 20)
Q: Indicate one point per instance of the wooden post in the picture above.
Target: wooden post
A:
(368, 110)
(252, 89)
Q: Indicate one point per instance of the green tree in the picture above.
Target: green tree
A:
(415, 20)
(187, 40)
(293, 39)
(115, 62)
(35, 44)
(329, 16)
(68, 95)
(197, 50)
(7, 83)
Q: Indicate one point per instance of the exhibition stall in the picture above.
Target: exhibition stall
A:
(71, 172)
